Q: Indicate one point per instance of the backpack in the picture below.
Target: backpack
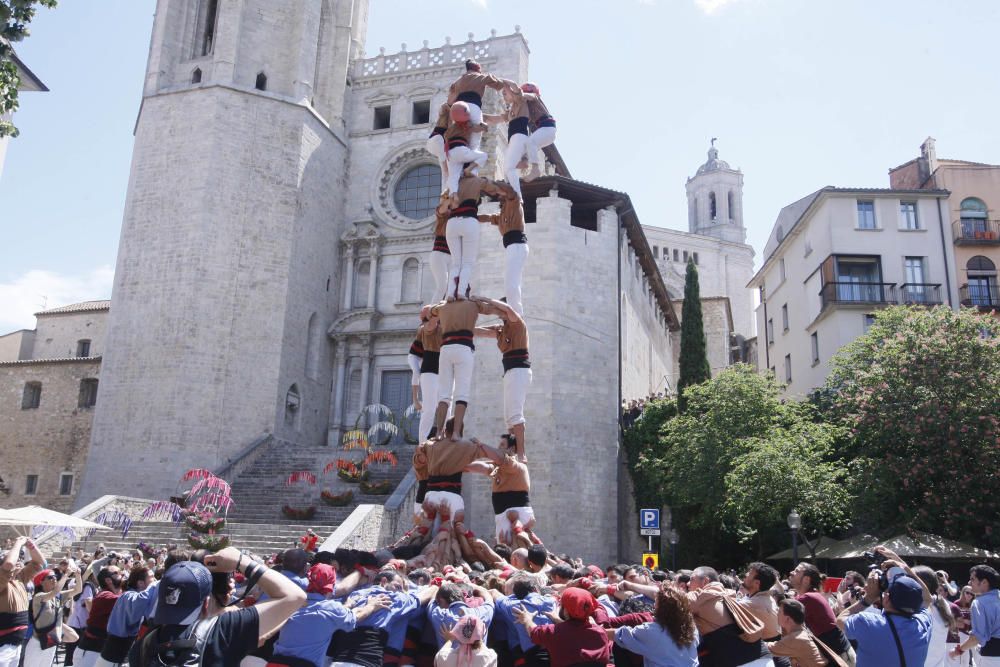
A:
(188, 650)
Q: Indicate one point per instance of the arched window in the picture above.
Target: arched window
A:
(360, 297)
(730, 203)
(980, 264)
(974, 213)
(314, 336)
(196, 75)
(712, 206)
(411, 281)
(973, 207)
(292, 404)
(417, 192)
(982, 285)
(261, 83)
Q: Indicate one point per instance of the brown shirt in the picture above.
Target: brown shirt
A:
(474, 187)
(708, 609)
(13, 593)
(509, 219)
(448, 457)
(763, 606)
(440, 223)
(420, 459)
(460, 315)
(536, 108)
(511, 336)
(511, 475)
(473, 82)
(798, 646)
(462, 131)
(519, 107)
(430, 338)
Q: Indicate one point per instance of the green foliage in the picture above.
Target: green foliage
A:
(15, 15)
(694, 367)
(920, 393)
(639, 438)
(738, 460)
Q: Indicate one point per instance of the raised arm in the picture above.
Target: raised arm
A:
(479, 468)
(494, 307)
(892, 558)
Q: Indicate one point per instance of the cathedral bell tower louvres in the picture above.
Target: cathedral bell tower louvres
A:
(226, 275)
(715, 200)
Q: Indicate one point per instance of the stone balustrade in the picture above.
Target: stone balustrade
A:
(448, 55)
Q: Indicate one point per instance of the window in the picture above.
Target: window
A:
(784, 317)
(982, 286)
(88, 393)
(32, 397)
(974, 214)
(421, 112)
(196, 75)
(656, 252)
(788, 368)
(411, 281)
(292, 404)
(908, 215)
(781, 269)
(868, 321)
(866, 215)
(261, 82)
(676, 255)
(712, 206)
(915, 289)
(770, 331)
(83, 348)
(695, 256)
(381, 118)
(685, 256)
(729, 202)
(361, 278)
(418, 191)
(31, 485)
(208, 11)
(814, 342)
(66, 484)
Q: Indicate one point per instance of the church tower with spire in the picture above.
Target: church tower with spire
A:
(715, 200)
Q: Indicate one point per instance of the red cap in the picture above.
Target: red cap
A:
(40, 577)
(460, 112)
(578, 603)
(530, 88)
(595, 571)
(322, 578)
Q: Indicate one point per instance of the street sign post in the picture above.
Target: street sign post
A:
(651, 560)
(649, 524)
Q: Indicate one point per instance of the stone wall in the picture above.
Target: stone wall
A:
(57, 334)
(46, 441)
(17, 345)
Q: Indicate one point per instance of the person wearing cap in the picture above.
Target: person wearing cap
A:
(543, 129)
(984, 616)
(450, 605)
(305, 636)
(14, 599)
(48, 630)
(183, 610)
(901, 632)
(466, 648)
(131, 608)
(470, 88)
(574, 640)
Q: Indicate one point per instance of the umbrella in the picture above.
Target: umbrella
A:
(926, 545)
(35, 516)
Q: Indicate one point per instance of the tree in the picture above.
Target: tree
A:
(694, 368)
(920, 393)
(738, 460)
(15, 15)
(637, 439)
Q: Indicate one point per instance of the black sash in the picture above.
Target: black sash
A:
(470, 97)
(546, 121)
(458, 337)
(430, 363)
(417, 348)
(438, 131)
(362, 646)
(504, 500)
(514, 236)
(469, 208)
(441, 245)
(450, 483)
(991, 648)
(516, 359)
(421, 490)
(14, 619)
(517, 125)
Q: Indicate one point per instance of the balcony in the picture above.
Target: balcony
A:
(976, 232)
(982, 296)
(860, 294)
(920, 294)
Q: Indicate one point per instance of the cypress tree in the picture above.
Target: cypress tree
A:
(694, 354)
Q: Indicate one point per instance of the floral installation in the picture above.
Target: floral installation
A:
(337, 499)
(299, 513)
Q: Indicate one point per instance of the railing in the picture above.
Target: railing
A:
(370, 527)
(980, 295)
(237, 463)
(56, 539)
(448, 55)
(857, 293)
(924, 294)
(976, 231)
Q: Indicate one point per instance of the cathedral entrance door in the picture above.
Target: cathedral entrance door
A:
(395, 393)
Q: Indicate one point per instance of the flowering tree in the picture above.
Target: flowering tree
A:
(920, 393)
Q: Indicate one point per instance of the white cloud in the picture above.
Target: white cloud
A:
(713, 6)
(37, 289)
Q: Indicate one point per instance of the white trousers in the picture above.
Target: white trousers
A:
(475, 119)
(517, 148)
(455, 373)
(463, 241)
(453, 501)
(515, 255)
(10, 655)
(435, 146)
(414, 363)
(440, 262)
(428, 401)
(503, 524)
(34, 656)
(457, 157)
(515, 389)
(540, 138)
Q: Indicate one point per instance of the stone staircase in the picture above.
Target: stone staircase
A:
(256, 522)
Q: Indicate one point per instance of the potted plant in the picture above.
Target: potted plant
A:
(337, 499)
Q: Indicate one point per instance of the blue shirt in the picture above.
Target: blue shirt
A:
(985, 615)
(532, 602)
(877, 648)
(656, 646)
(130, 609)
(444, 619)
(394, 619)
(307, 632)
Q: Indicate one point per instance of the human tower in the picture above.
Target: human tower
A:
(442, 355)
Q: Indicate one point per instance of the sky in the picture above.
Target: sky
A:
(800, 93)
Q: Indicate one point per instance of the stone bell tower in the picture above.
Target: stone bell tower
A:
(227, 265)
(715, 200)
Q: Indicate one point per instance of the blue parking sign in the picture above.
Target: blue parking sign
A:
(649, 518)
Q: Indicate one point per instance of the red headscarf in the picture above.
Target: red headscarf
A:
(578, 603)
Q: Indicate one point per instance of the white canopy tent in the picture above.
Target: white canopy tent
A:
(25, 519)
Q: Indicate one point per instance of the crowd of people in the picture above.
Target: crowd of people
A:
(633, 409)
(532, 608)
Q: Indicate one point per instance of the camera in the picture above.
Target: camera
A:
(874, 558)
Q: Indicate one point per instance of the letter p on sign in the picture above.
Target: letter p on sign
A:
(649, 518)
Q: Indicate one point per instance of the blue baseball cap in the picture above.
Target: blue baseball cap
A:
(181, 592)
(906, 594)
